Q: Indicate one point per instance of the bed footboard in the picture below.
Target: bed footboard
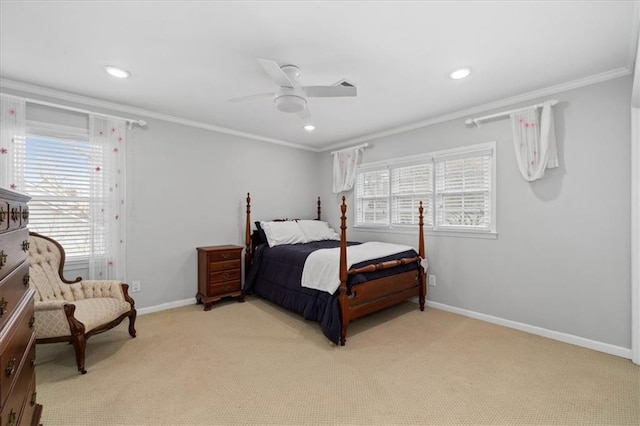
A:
(381, 293)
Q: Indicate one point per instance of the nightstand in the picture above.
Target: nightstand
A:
(218, 274)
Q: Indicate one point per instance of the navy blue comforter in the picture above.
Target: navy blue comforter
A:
(276, 273)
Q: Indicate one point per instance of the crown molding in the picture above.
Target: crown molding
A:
(112, 106)
(85, 100)
(575, 84)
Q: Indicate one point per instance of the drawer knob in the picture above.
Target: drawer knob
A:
(11, 367)
(25, 245)
(226, 276)
(33, 362)
(32, 321)
(25, 214)
(3, 259)
(3, 215)
(226, 256)
(33, 399)
(11, 420)
(25, 280)
(3, 306)
(15, 215)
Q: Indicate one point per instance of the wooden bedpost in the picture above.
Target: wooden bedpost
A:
(423, 285)
(319, 209)
(247, 238)
(342, 297)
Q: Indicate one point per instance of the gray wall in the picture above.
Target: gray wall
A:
(187, 188)
(562, 257)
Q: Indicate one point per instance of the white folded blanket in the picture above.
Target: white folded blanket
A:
(321, 270)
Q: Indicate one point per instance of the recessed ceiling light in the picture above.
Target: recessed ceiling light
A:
(460, 73)
(309, 127)
(117, 72)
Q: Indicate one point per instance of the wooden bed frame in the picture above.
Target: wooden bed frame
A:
(370, 296)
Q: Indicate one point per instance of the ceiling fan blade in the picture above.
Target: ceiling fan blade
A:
(274, 71)
(330, 91)
(252, 97)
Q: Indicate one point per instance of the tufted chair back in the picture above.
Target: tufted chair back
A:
(45, 261)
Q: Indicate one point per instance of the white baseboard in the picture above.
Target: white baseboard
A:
(165, 306)
(539, 331)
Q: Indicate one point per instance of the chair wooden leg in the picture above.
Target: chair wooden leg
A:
(132, 323)
(78, 338)
(79, 346)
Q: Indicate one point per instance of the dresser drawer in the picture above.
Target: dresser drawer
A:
(12, 250)
(4, 215)
(12, 410)
(224, 288)
(15, 342)
(12, 288)
(15, 215)
(223, 266)
(218, 277)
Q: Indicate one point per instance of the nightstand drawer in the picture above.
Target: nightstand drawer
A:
(223, 266)
(224, 255)
(224, 288)
(13, 250)
(218, 277)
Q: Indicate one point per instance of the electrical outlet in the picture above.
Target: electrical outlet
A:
(135, 286)
(432, 280)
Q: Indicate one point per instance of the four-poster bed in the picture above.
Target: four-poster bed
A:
(366, 287)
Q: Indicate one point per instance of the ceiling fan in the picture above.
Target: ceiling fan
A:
(292, 96)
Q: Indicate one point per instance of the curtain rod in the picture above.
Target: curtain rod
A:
(477, 120)
(140, 123)
(363, 146)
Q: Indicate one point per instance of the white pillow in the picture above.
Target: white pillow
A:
(317, 230)
(288, 232)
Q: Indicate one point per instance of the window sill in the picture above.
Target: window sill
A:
(430, 232)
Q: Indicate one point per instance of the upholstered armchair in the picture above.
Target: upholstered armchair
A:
(73, 311)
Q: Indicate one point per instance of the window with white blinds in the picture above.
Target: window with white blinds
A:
(463, 193)
(456, 187)
(55, 172)
(372, 205)
(409, 186)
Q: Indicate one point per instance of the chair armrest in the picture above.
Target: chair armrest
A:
(50, 305)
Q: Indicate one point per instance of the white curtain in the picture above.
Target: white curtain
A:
(344, 168)
(534, 141)
(12, 134)
(107, 211)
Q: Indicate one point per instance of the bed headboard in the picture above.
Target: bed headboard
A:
(254, 239)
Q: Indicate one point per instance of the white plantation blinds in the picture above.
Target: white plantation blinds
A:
(456, 187)
(372, 204)
(409, 186)
(56, 174)
(463, 192)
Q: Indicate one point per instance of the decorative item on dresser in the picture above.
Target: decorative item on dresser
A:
(218, 274)
(17, 337)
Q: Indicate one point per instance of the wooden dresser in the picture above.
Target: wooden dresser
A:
(17, 338)
(218, 274)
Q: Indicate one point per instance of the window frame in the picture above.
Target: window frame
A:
(433, 157)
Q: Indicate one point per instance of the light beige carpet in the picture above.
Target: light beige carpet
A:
(253, 363)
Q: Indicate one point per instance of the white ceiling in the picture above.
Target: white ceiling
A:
(188, 59)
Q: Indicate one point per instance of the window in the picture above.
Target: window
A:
(53, 166)
(456, 187)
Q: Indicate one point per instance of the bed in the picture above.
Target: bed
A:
(278, 273)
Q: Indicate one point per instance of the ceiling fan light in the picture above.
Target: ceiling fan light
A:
(309, 127)
(290, 103)
(117, 72)
(460, 73)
